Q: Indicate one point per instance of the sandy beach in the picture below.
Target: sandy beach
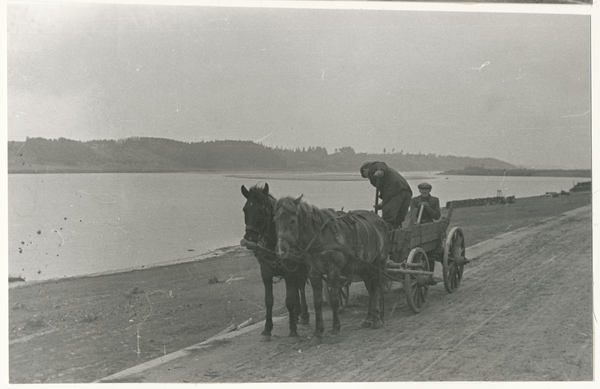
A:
(86, 328)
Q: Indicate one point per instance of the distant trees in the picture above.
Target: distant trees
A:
(142, 154)
(347, 150)
(59, 151)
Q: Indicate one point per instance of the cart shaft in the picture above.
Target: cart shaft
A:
(408, 271)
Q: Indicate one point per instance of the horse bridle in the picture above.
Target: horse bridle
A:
(262, 233)
(263, 238)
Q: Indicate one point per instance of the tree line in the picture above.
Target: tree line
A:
(141, 154)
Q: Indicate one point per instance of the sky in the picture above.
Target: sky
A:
(510, 86)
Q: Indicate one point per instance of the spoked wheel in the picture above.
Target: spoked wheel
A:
(454, 259)
(416, 286)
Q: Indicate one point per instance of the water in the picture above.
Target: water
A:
(64, 225)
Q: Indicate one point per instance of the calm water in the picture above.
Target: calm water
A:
(63, 225)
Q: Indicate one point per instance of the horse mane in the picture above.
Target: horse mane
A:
(309, 216)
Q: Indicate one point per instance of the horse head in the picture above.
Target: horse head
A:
(258, 214)
(287, 225)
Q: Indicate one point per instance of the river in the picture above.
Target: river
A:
(65, 225)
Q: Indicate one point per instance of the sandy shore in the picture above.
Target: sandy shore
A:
(83, 329)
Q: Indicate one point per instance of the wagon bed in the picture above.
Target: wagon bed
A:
(414, 251)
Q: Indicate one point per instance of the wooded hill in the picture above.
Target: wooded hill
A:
(39, 155)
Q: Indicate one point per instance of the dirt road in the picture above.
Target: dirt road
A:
(522, 313)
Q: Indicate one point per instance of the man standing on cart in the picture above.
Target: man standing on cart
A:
(431, 205)
(393, 190)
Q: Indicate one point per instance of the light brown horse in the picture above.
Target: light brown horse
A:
(260, 237)
(335, 245)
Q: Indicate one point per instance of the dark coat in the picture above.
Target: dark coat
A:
(430, 213)
(391, 184)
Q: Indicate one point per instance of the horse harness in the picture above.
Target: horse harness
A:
(262, 253)
(350, 219)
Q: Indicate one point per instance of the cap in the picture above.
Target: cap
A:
(424, 185)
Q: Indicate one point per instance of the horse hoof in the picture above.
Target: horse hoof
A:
(316, 341)
(293, 339)
(377, 324)
(335, 332)
(367, 324)
(265, 338)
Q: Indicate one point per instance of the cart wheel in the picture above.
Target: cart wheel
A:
(454, 259)
(416, 287)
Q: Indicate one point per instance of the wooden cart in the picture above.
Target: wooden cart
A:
(414, 250)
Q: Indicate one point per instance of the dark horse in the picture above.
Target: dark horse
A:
(335, 245)
(260, 237)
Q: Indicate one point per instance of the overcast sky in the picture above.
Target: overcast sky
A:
(510, 86)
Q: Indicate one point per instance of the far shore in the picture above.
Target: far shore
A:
(253, 174)
(315, 176)
(307, 175)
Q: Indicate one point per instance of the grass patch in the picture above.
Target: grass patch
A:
(485, 222)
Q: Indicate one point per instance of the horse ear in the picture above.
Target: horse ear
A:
(266, 189)
(245, 192)
(299, 199)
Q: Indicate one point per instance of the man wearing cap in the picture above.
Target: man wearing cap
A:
(394, 192)
(431, 205)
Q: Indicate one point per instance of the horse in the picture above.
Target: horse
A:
(261, 239)
(335, 245)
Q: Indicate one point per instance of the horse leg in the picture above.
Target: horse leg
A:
(374, 300)
(265, 336)
(304, 315)
(368, 322)
(297, 308)
(317, 286)
(373, 319)
(292, 302)
(333, 277)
